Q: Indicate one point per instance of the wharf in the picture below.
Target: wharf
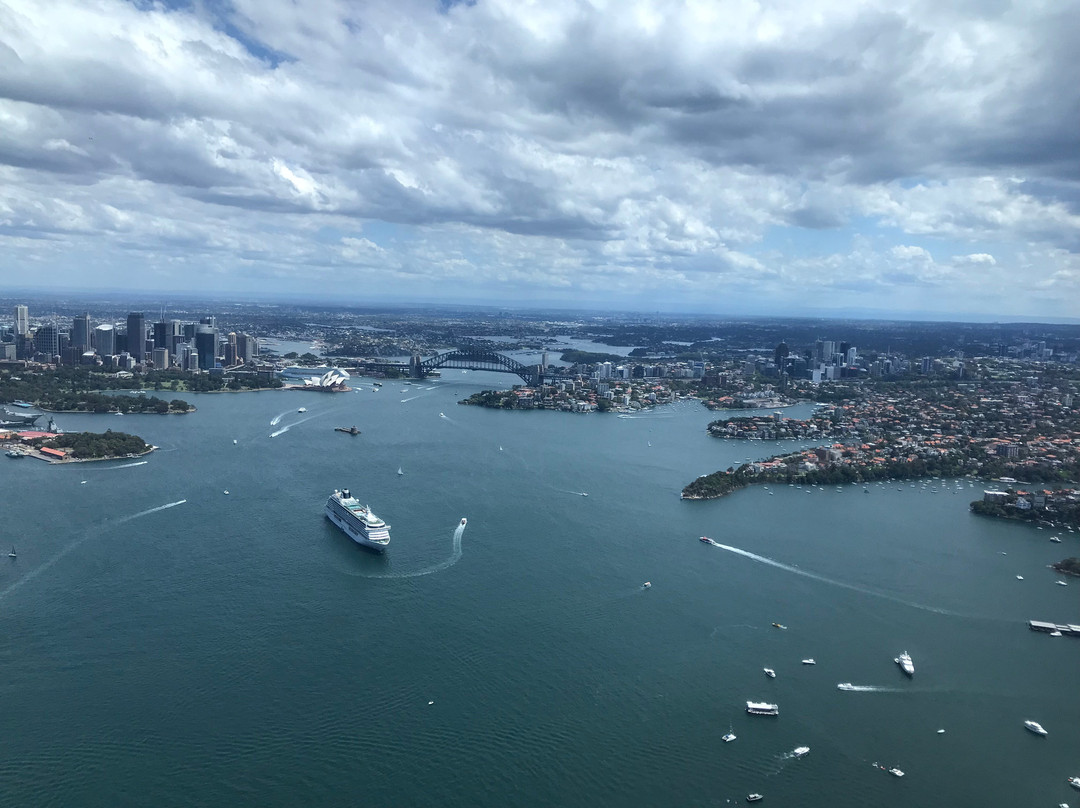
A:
(1069, 630)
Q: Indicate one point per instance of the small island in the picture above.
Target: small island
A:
(1068, 566)
(74, 447)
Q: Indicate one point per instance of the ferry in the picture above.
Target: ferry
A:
(905, 663)
(357, 521)
(762, 708)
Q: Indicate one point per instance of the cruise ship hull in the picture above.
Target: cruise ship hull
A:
(354, 533)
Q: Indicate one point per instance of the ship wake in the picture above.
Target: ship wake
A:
(34, 573)
(821, 578)
(455, 557)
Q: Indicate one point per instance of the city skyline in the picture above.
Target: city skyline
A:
(768, 159)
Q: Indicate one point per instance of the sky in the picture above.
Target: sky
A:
(727, 156)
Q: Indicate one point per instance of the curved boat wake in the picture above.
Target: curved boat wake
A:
(455, 557)
(287, 427)
(277, 418)
(814, 576)
(125, 466)
(34, 573)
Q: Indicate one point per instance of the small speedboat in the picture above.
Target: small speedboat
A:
(754, 798)
(845, 686)
(1019, 577)
(442, 415)
(1036, 727)
(463, 521)
(1055, 633)
(799, 751)
(1060, 583)
(777, 625)
(1074, 782)
(808, 662)
(707, 540)
(234, 441)
(646, 585)
(1055, 539)
(302, 409)
(895, 772)
(226, 491)
(770, 673)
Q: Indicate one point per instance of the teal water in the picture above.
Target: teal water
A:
(237, 649)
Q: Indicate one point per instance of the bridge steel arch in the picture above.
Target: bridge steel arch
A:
(477, 360)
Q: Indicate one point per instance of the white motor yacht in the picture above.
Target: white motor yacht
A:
(905, 663)
(799, 751)
(1074, 782)
(808, 662)
(1035, 727)
(770, 673)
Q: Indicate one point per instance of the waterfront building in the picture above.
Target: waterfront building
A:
(136, 336)
(80, 333)
(105, 339)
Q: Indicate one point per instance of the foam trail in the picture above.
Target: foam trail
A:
(277, 418)
(34, 573)
(455, 557)
(124, 466)
(814, 576)
(287, 427)
(413, 398)
(871, 689)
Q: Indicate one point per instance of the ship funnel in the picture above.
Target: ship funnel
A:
(345, 494)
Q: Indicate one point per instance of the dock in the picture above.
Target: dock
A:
(1067, 629)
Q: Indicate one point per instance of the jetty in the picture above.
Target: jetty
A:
(349, 430)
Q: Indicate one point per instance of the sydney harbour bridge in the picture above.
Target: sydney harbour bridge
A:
(465, 359)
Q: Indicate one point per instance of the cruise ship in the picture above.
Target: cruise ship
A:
(357, 521)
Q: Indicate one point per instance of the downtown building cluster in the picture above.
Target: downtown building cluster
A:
(133, 344)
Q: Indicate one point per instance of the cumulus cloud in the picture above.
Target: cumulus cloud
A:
(636, 147)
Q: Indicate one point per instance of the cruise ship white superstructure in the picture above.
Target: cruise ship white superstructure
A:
(357, 521)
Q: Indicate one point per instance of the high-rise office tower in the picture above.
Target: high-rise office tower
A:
(80, 333)
(22, 320)
(105, 340)
(136, 336)
(206, 346)
(47, 340)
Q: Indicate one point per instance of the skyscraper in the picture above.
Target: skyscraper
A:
(206, 346)
(47, 340)
(80, 333)
(136, 336)
(105, 340)
(22, 320)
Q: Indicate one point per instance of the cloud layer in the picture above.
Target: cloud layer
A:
(743, 155)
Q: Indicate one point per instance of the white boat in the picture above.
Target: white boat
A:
(399, 471)
(1019, 577)
(799, 751)
(762, 708)
(356, 521)
(646, 585)
(1060, 583)
(728, 737)
(1036, 727)
(1055, 633)
(770, 673)
(1074, 782)
(12, 553)
(463, 521)
(1055, 539)
(226, 491)
(808, 662)
(895, 772)
(845, 686)
(302, 409)
(234, 441)
(905, 663)
(754, 798)
(442, 415)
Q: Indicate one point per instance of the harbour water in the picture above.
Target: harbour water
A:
(237, 650)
